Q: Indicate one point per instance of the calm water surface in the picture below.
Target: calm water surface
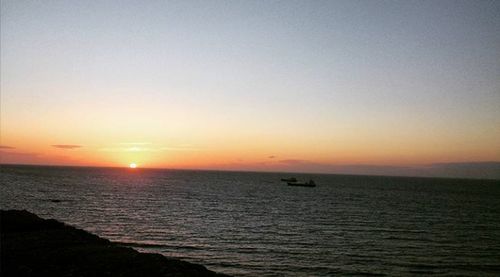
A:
(251, 224)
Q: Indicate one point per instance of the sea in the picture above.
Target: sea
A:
(252, 224)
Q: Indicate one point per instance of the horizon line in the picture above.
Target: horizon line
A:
(252, 171)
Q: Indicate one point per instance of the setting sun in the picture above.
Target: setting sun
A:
(132, 165)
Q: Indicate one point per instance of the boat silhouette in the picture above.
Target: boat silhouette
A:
(310, 184)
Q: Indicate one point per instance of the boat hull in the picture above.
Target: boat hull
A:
(301, 185)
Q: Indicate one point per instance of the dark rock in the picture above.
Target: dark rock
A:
(32, 246)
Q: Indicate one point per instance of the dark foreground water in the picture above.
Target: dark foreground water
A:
(251, 224)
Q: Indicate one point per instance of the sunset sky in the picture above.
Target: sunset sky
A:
(322, 86)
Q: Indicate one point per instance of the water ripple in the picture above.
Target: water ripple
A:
(250, 224)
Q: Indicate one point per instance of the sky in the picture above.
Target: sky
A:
(321, 86)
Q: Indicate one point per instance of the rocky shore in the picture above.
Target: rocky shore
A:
(32, 246)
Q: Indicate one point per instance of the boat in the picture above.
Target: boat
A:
(291, 180)
(310, 184)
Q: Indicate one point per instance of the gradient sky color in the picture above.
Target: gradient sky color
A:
(250, 85)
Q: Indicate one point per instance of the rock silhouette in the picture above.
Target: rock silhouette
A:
(32, 246)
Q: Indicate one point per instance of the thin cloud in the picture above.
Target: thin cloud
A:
(132, 146)
(129, 149)
(271, 157)
(10, 157)
(6, 147)
(66, 146)
(486, 169)
(182, 147)
(294, 162)
(135, 143)
(146, 147)
(13, 157)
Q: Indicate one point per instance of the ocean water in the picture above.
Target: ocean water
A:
(251, 224)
